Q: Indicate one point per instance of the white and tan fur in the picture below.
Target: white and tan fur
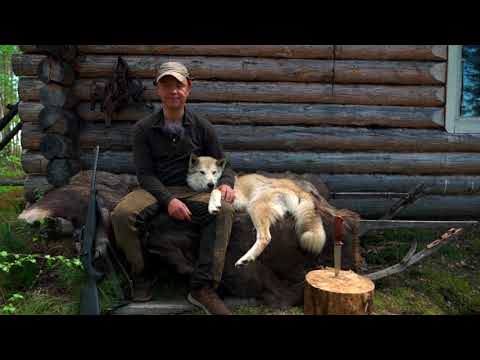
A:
(266, 200)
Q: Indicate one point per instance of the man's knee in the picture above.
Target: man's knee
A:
(121, 215)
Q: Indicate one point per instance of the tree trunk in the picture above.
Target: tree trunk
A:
(346, 294)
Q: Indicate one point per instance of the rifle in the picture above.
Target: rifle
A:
(89, 300)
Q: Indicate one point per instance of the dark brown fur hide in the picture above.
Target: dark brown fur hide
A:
(276, 277)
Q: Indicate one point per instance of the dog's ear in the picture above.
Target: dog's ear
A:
(221, 163)
(193, 160)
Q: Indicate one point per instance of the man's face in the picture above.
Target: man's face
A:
(173, 93)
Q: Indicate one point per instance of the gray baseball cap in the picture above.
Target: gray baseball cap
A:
(175, 69)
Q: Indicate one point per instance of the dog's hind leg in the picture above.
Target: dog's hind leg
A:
(263, 215)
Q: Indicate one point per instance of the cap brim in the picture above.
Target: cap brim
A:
(175, 74)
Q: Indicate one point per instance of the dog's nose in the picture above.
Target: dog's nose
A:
(210, 185)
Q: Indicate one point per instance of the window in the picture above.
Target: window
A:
(463, 89)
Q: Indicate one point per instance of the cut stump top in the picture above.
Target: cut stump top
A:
(347, 282)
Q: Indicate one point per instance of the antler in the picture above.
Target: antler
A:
(411, 258)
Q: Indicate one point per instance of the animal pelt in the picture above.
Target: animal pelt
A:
(71, 201)
(276, 278)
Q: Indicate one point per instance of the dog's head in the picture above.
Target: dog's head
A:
(204, 172)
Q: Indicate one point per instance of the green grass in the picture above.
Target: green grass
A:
(11, 166)
(445, 283)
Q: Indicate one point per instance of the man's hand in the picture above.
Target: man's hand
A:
(228, 194)
(178, 210)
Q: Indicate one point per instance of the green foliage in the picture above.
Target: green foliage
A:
(10, 308)
(10, 165)
(8, 95)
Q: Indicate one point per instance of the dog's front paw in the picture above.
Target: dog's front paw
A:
(215, 203)
(244, 261)
(214, 208)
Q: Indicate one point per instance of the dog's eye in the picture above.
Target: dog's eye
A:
(202, 172)
(214, 172)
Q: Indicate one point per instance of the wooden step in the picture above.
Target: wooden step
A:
(174, 306)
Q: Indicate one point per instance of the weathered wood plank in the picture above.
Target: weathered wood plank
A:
(319, 162)
(175, 306)
(286, 138)
(365, 52)
(282, 92)
(274, 114)
(256, 69)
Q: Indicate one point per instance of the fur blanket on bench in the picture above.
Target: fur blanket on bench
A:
(276, 277)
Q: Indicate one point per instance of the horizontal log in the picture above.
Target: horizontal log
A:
(268, 51)
(283, 92)
(366, 52)
(433, 207)
(64, 52)
(274, 114)
(286, 138)
(260, 69)
(5, 181)
(317, 162)
(392, 52)
(369, 225)
(438, 185)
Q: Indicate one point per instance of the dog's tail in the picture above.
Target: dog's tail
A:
(308, 225)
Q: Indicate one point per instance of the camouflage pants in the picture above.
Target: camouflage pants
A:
(135, 210)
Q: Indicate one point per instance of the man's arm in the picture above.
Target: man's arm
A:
(144, 168)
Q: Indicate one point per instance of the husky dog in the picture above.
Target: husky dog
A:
(265, 199)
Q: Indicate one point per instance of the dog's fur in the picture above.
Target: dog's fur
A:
(266, 200)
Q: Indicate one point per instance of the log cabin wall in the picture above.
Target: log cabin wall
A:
(362, 118)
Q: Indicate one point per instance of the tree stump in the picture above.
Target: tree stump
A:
(346, 294)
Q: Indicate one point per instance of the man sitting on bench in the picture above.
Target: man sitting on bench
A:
(162, 145)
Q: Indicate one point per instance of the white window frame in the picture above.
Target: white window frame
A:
(454, 123)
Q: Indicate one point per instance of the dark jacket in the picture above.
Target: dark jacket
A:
(162, 159)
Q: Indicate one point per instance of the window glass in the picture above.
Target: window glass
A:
(471, 81)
